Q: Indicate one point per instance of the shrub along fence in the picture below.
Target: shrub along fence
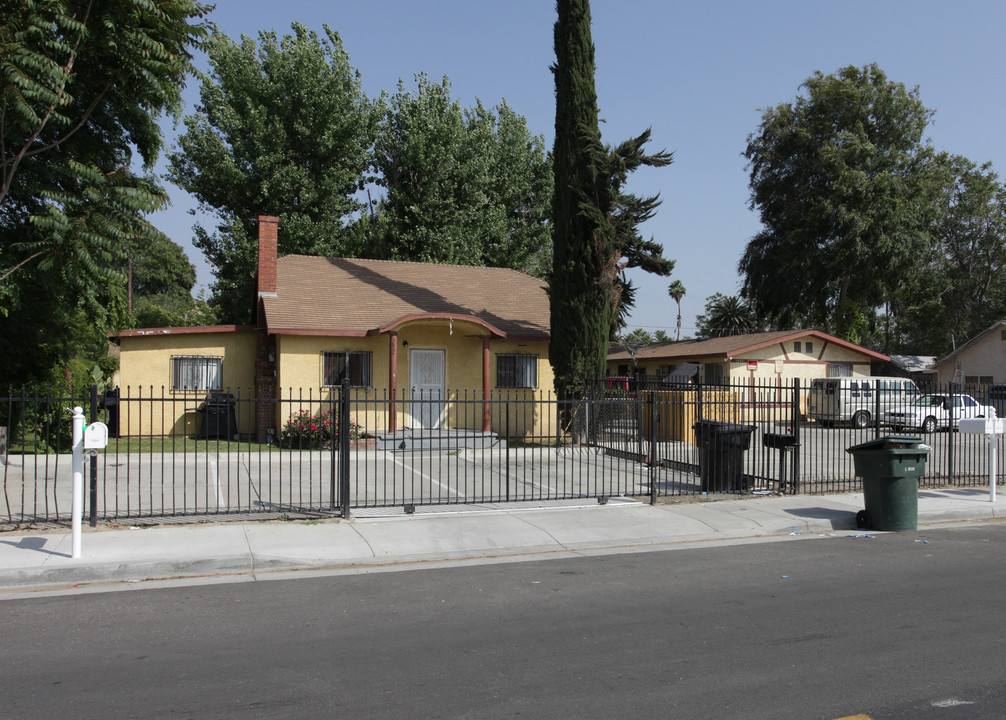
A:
(355, 450)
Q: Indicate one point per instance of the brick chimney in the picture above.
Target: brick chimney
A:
(267, 235)
(265, 356)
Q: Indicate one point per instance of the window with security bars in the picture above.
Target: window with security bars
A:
(839, 370)
(196, 373)
(340, 365)
(517, 371)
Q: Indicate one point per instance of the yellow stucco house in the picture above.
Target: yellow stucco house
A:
(422, 345)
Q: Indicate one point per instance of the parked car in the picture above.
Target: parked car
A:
(930, 412)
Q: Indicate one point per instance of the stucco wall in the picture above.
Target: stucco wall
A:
(300, 370)
(986, 357)
(149, 406)
(146, 373)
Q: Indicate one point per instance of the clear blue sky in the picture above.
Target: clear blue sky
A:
(697, 73)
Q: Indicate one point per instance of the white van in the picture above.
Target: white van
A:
(854, 399)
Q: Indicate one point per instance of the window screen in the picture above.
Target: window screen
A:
(517, 371)
(839, 370)
(196, 373)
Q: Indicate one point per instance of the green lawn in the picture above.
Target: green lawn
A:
(167, 444)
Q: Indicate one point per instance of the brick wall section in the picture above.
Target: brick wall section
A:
(267, 252)
(265, 370)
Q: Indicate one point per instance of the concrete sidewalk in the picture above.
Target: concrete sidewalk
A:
(255, 550)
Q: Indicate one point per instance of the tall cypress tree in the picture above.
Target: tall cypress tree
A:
(581, 227)
(594, 223)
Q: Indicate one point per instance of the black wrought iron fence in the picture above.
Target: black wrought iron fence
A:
(349, 449)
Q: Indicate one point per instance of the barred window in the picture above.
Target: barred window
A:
(517, 371)
(196, 373)
(340, 365)
(839, 370)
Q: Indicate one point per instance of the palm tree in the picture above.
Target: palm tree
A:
(677, 291)
(727, 316)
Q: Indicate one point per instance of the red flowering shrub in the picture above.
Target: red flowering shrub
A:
(304, 430)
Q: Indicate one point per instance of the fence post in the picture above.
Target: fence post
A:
(795, 417)
(93, 510)
(506, 452)
(344, 447)
(876, 407)
(333, 446)
(950, 433)
(654, 419)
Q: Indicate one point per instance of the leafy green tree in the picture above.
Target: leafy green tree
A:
(159, 280)
(839, 179)
(661, 336)
(469, 187)
(594, 232)
(726, 316)
(83, 84)
(283, 128)
(677, 291)
(957, 291)
(159, 267)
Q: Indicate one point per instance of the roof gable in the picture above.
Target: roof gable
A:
(972, 342)
(345, 296)
(734, 345)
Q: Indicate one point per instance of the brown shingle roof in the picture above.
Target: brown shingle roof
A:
(725, 347)
(343, 296)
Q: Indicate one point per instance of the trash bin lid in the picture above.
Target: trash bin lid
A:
(890, 442)
(722, 427)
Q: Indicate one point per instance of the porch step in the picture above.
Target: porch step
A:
(423, 439)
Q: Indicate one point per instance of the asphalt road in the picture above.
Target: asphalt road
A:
(895, 626)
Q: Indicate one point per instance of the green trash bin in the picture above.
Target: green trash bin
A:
(890, 467)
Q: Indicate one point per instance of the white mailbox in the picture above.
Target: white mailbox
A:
(982, 426)
(989, 427)
(96, 436)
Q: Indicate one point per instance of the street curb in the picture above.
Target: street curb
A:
(249, 563)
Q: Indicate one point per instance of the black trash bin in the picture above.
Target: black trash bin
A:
(218, 416)
(111, 404)
(890, 467)
(721, 454)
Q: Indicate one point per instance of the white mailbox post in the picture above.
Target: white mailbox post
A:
(91, 438)
(991, 428)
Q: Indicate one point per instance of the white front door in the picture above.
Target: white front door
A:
(426, 379)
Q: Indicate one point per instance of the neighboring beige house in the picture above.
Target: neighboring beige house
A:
(397, 330)
(769, 356)
(764, 362)
(979, 362)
